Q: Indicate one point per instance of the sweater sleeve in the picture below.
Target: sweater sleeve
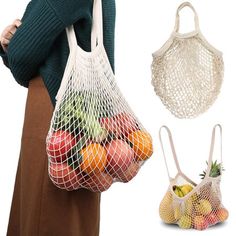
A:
(31, 43)
(3, 54)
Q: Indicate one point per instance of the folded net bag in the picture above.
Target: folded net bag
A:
(187, 72)
(191, 205)
(94, 138)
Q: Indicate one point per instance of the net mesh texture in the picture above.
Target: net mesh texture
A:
(187, 77)
(199, 209)
(94, 139)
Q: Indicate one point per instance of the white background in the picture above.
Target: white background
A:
(141, 28)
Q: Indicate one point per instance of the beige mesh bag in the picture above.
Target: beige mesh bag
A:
(190, 205)
(187, 72)
(94, 138)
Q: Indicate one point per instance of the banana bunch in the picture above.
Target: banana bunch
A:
(182, 190)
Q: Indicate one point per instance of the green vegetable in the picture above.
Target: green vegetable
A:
(75, 111)
(91, 125)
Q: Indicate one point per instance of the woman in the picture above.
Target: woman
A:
(35, 49)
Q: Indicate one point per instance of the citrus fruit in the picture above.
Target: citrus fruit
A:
(94, 158)
(142, 144)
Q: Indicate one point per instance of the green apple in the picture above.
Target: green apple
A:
(185, 222)
(203, 207)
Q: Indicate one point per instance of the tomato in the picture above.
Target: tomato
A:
(63, 176)
(59, 144)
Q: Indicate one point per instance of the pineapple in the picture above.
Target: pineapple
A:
(216, 169)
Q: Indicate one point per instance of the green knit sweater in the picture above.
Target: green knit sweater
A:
(40, 45)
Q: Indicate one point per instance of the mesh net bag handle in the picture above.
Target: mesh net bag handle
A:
(172, 149)
(96, 40)
(212, 148)
(94, 139)
(174, 152)
(177, 19)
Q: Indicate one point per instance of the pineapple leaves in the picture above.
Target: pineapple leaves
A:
(216, 169)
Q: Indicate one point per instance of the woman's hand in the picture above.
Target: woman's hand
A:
(8, 33)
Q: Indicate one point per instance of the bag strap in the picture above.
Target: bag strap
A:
(212, 148)
(97, 28)
(96, 32)
(172, 149)
(177, 20)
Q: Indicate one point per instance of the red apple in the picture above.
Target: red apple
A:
(59, 144)
(222, 214)
(130, 173)
(97, 182)
(111, 126)
(126, 122)
(200, 223)
(212, 218)
(119, 157)
(63, 176)
(121, 124)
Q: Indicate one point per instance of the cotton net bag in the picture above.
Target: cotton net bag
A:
(187, 72)
(94, 138)
(190, 205)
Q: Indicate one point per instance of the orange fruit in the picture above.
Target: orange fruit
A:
(94, 158)
(142, 144)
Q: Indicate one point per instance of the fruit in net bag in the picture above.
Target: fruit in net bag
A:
(182, 190)
(130, 173)
(222, 214)
(91, 108)
(185, 222)
(166, 209)
(126, 123)
(197, 206)
(177, 212)
(142, 144)
(119, 125)
(97, 182)
(216, 169)
(203, 207)
(119, 157)
(189, 206)
(60, 143)
(64, 176)
(94, 159)
(200, 222)
(212, 218)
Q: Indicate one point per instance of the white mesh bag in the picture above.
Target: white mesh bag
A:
(187, 72)
(94, 137)
(190, 205)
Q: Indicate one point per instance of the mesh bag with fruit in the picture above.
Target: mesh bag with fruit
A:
(190, 205)
(94, 138)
